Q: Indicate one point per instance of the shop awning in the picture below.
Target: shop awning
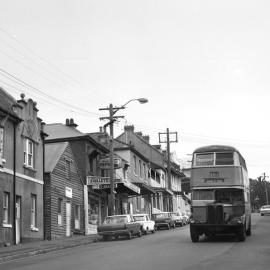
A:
(145, 189)
(127, 187)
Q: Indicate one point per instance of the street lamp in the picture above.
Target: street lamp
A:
(112, 118)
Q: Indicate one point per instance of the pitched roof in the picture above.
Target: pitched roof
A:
(61, 131)
(6, 102)
(53, 152)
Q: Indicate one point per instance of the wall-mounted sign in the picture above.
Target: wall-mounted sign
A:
(97, 180)
(68, 192)
(103, 186)
(104, 163)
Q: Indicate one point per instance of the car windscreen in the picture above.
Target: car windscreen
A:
(160, 215)
(139, 218)
(115, 220)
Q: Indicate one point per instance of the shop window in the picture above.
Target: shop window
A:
(6, 208)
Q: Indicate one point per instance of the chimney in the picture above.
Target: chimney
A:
(129, 128)
(157, 146)
(146, 138)
(139, 133)
(70, 123)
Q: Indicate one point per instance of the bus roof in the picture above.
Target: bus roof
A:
(215, 148)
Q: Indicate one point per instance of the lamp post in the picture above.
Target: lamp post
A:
(265, 186)
(112, 118)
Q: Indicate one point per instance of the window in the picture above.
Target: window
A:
(77, 217)
(60, 212)
(203, 195)
(140, 169)
(29, 153)
(224, 159)
(135, 165)
(144, 172)
(33, 211)
(6, 208)
(206, 159)
(1, 146)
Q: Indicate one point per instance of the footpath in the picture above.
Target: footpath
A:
(34, 248)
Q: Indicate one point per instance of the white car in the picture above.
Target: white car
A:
(265, 210)
(147, 225)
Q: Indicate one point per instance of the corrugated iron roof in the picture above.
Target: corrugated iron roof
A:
(61, 131)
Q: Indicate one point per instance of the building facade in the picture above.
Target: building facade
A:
(21, 170)
(63, 193)
(87, 152)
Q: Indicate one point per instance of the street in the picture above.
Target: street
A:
(165, 249)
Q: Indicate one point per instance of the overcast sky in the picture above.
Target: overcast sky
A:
(203, 65)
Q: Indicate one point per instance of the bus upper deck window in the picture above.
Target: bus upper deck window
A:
(224, 159)
(206, 159)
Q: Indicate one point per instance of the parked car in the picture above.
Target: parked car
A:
(178, 219)
(163, 220)
(147, 225)
(265, 210)
(119, 225)
(186, 216)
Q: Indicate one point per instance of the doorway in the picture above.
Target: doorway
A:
(18, 219)
(68, 219)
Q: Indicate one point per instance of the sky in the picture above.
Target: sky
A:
(203, 66)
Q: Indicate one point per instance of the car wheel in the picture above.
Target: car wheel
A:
(105, 237)
(129, 236)
(262, 214)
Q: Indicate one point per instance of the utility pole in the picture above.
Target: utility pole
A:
(112, 110)
(265, 186)
(168, 141)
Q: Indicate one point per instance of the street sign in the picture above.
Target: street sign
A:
(104, 163)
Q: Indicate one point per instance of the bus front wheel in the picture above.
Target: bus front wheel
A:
(242, 233)
(194, 235)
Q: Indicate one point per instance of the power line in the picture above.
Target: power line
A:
(25, 84)
(39, 57)
(32, 60)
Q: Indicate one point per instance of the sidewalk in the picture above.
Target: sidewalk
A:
(34, 248)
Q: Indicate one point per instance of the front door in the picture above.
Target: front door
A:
(68, 219)
(18, 219)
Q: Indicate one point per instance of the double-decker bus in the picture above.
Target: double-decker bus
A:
(220, 193)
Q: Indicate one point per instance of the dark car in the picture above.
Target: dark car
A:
(119, 225)
(163, 220)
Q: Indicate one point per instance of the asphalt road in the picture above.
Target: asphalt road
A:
(164, 250)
